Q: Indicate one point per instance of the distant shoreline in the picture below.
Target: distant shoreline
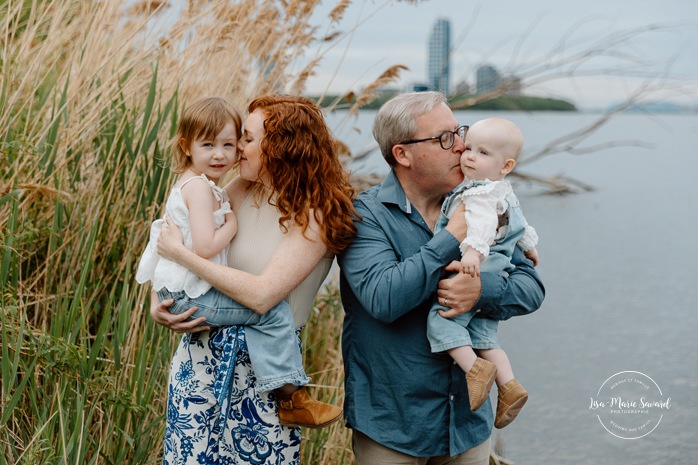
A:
(525, 103)
(467, 102)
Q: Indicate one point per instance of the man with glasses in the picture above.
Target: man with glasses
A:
(404, 403)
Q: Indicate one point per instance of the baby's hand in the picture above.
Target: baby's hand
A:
(471, 262)
(532, 255)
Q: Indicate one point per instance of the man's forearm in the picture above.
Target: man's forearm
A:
(520, 293)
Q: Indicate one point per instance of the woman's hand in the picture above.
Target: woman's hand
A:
(170, 242)
(177, 323)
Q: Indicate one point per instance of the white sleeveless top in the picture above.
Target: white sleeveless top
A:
(258, 236)
(167, 274)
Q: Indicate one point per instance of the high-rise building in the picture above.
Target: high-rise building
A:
(487, 78)
(439, 55)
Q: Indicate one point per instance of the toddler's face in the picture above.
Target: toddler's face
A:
(214, 157)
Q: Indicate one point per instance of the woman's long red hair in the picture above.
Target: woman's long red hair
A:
(299, 155)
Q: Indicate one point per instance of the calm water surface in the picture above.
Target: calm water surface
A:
(619, 267)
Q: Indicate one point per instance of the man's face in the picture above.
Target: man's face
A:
(436, 170)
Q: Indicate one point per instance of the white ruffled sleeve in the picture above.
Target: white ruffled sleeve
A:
(481, 217)
(529, 239)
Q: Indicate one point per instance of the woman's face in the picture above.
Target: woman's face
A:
(249, 147)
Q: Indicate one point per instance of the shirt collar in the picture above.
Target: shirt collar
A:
(391, 192)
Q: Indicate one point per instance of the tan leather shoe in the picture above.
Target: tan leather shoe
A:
(480, 379)
(510, 400)
(299, 409)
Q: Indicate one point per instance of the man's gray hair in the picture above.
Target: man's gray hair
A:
(396, 121)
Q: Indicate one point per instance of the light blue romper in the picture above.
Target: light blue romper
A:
(464, 330)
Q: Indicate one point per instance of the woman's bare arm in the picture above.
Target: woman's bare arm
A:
(291, 262)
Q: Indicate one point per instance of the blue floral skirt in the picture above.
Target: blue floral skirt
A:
(214, 414)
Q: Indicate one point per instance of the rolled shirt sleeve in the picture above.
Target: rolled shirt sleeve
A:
(520, 293)
(386, 283)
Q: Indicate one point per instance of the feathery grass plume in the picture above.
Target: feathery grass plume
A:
(307, 71)
(338, 11)
(332, 36)
(368, 93)
(147, 7)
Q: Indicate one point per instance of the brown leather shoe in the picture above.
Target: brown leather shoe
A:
(510, 400)
(480, 379)
(299, 409)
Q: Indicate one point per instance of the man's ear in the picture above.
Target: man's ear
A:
(401, 156)
(508, 166)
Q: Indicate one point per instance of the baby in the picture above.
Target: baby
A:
(495, 227)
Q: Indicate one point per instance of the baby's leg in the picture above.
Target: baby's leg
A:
(501, 361)
(479, 374)
(464, 356)
(511, 396)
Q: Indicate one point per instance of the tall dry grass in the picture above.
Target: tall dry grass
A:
(89, 98)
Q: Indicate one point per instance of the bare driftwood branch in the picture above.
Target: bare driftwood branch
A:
(557, 184)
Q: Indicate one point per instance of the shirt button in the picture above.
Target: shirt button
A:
(477, 311)
(454, 362)
(451, 396)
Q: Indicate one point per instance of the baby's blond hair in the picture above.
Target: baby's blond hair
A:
(509, 135)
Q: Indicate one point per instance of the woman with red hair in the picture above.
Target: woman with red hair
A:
(293, 202)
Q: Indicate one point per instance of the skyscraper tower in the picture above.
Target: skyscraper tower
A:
(487, 78)
(439, 55)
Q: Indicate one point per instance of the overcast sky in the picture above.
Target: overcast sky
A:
(519, 36)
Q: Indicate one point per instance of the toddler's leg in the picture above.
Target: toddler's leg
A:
(278, 356)
(271, 337)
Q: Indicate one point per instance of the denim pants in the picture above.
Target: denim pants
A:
(461, 330)
(271, 337)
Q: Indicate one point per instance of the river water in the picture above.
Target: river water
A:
(618, 266)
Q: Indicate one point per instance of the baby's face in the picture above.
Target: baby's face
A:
(485, 155)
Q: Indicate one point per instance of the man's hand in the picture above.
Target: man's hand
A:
(177, 323)
(458, 293)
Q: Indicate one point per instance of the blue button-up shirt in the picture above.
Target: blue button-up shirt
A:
(398, 393)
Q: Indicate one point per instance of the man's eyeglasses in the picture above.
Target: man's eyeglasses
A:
(446, 139)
